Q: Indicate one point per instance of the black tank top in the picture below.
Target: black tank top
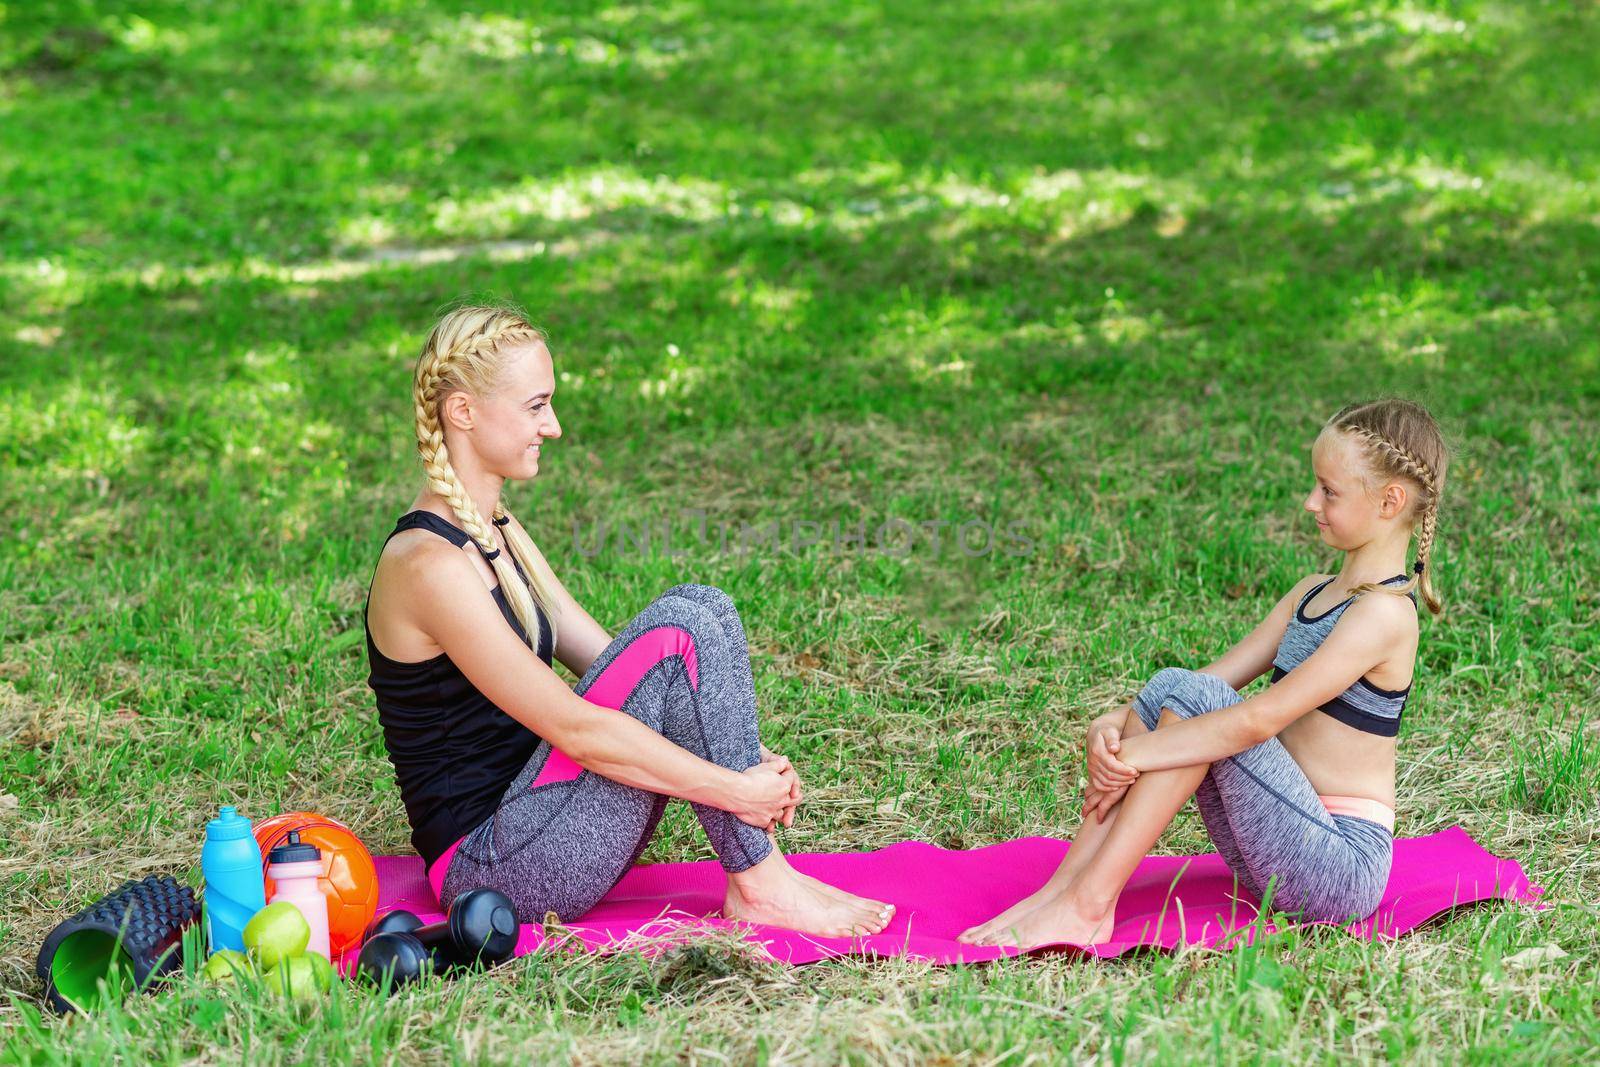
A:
(454, 752)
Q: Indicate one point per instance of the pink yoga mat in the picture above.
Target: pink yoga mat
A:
(939, 893)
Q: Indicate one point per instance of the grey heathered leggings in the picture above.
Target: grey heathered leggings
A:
(562, 837)
(1264, 816)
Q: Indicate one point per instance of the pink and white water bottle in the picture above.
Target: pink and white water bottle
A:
(294, 868)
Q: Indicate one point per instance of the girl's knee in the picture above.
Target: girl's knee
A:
(1201, 693)
(1150, 700)
(1185, 693)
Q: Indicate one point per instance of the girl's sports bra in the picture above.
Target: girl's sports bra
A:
(454, 752)
(1363, 706)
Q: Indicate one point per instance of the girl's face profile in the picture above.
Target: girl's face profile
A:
(1338, 499)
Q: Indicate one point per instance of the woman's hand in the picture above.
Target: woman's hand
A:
(1106, 772)
(787, 769)
(762, 796)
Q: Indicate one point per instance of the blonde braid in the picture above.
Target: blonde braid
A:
(459, 348)
(1422, 578)
(1409, 464)
(1393, 431)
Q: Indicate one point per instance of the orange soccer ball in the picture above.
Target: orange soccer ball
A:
(349, 880)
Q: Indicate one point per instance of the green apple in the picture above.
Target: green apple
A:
(323, 968)
(302, 977)
(275, 933)
(227, 965)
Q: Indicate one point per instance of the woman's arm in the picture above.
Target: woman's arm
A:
(579, 639)
(1363, 638)
(442, 588)
(1252, 656)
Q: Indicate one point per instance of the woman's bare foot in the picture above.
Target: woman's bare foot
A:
(774, 893)
(1063, 919)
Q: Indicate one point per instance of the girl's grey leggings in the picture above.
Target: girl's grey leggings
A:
(562, 836)
(1266, 820)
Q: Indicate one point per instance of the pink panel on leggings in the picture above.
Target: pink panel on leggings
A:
(441, 866)
(559, 767)
(610, 690)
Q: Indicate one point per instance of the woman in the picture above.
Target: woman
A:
(510, 779)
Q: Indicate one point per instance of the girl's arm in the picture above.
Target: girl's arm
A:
(579, 639)
(1363, 638)
(1239, 666)
(1252, 656)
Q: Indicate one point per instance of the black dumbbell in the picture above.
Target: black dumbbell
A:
(397, 921)
(394, 956)
(481, 928)
(384, 951)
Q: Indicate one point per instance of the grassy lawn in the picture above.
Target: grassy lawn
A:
(1098, 271)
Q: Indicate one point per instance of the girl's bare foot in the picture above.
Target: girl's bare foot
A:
(978, 935)
(774, 893)
(1064, 919)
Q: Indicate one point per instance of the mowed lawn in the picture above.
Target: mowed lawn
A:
(1093, 274)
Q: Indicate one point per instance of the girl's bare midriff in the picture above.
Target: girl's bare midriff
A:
(1340, 760)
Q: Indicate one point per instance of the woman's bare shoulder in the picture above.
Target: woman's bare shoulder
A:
(416, 563)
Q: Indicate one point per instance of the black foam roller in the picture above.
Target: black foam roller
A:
(149, 916)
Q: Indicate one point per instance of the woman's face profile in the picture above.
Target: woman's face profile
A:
(510, 427)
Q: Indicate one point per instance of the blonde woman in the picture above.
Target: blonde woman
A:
(509, 778)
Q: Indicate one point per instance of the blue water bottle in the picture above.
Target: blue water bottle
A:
(235, 889)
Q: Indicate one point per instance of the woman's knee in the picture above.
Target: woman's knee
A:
(708, 596)
(690, 612)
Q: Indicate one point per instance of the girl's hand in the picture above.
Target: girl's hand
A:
(762, 796)
(770, 758)
(1106, 772)
(1100, 802)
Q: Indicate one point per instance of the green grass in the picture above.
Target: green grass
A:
(1099, 270)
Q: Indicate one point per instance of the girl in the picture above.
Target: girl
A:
(509, 778)
(1295, 784)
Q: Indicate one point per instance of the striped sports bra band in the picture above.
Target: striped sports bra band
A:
(1363, 705)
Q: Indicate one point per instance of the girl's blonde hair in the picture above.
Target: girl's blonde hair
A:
(1399, 439)
(467, 350)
